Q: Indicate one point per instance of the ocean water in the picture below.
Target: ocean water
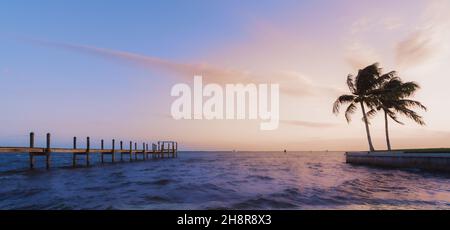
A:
(219, 180)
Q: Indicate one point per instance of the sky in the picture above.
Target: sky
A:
(105, 69)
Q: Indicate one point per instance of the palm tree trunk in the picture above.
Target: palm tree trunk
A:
(366, 122)
(387, 131)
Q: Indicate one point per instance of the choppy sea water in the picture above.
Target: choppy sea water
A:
(219, 180)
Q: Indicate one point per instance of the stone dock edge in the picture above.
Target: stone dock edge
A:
(426, 161)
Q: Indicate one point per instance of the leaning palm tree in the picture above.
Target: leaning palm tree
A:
(361, 88)
(392, 99)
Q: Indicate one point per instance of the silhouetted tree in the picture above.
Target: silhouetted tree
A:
(392, 99)
(361, 88)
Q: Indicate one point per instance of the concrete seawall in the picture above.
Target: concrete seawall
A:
(427, 161)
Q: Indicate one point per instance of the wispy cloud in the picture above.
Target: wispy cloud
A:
(149, 62)
(308, 124)
(392, 23)
(360, 49)
(359, 55)
(428, 40)
(415, 49)
(290, 83)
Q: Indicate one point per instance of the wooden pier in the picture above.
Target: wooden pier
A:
(160, 150)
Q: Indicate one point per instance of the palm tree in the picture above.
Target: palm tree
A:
(392, 98)
(361, 88)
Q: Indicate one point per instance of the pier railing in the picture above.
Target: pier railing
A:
(160, 150)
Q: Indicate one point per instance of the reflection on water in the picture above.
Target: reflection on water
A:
(221, 180)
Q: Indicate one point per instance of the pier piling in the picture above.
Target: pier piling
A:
(31, 153)
(88, 148)
(137, 152)
(129, 152)
(112, 151)
(74, 158)
(47, 152)
(101, 147)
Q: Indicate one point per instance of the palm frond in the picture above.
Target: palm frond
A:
(349, 111)
(411, 115)
(343, 99)
(371, 101)
(411, 103)
(371, 113)
(408, 88)
(351, 84)
(392, 115)
(366, 78)
(385, 78)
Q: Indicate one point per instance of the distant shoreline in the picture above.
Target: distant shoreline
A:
(412, 150)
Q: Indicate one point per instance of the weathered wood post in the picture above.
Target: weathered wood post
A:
(143, 151)
(131, 151)
(101, 147)
(74, 155)
(176, 149)
(168, 149)
(161, 150)
(31, 140)
(153, 150)
(164, 147)
(135, 150)
(173, 149)
(121, 148)
(47, 151)
(146, 151)
(113, 150)
(31, 151)
(48, 142)
(88, 147)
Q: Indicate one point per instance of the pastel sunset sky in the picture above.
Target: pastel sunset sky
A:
(105, 68)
